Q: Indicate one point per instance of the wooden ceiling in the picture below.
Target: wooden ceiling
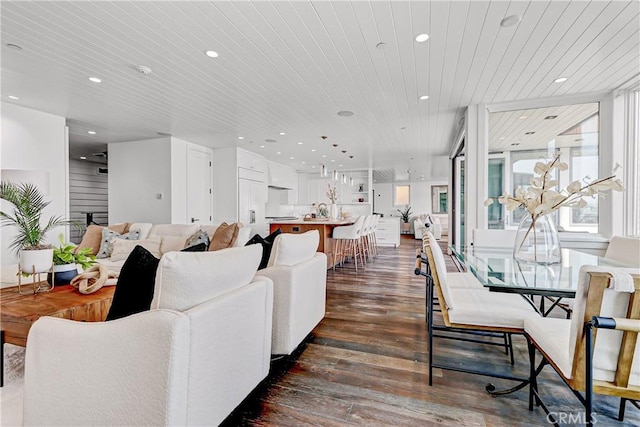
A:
(290, 66)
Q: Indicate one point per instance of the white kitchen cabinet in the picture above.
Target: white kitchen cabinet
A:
(388, 232)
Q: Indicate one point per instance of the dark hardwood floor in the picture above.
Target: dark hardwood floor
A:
(365, 364)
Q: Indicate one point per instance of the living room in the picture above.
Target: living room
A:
(432, 105)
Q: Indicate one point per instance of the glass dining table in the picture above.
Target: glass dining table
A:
(497, 270)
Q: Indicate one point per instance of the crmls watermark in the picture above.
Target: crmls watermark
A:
(570, 417)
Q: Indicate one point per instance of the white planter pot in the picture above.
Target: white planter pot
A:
(36, 261)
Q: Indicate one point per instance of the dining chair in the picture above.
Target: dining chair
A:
(593, 352)
(471, 310)
(624, 249)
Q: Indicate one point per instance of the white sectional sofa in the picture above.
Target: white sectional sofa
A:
(201, 349)
(170, 237)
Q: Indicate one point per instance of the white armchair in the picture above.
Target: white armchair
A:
(299, 275)
(189, 366)
(419, 226)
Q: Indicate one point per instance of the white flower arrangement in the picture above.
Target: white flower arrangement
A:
(332, 193)
(541, 198)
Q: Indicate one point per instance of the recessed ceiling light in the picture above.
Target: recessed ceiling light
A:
(95, 79)
(339, 166)
(282, 133)
(510, 21)
(345, 113)
(522, 117)
(290, 158)
(91, 132)
(262, 146)
(14, 46)
(299, 143)
(423, 97)
(333, 161)
(561, 79)
(83, 158)
(211, 54)
(314, 166)
(324, 155)
(420, 38)
(551, 117)
(313, 150)
(241, 137)
(14, 97)
(278, 152)
(304, 163)
(502, 137)
(529, 133)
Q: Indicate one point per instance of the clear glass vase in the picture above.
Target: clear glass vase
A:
(537, 241)
(334, 211)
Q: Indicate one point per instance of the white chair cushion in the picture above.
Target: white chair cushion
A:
(552, 335)
(624, 249)
(493, 309)
(122, 248)
(494, 238)
(186, 279)
(441, 270)
(291, 249)
(464, 280)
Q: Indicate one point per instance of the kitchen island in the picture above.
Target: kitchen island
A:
(324, 227)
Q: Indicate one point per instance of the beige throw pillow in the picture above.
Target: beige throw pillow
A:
(93, 236)
(122, 248)
(224, 237)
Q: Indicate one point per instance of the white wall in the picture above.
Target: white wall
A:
(32, 140)
(420, 197)
(139, 171)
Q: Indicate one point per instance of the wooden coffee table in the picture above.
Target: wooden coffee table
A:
(18, 312)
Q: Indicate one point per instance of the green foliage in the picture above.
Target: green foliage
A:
(64, 254)
(28, 204)
(405, 213)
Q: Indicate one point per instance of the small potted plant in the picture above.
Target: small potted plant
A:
(66, 260)
(405, 214)
(28, 205)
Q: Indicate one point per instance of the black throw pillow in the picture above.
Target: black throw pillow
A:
(267, 245)
(134, 291)
(200, 247)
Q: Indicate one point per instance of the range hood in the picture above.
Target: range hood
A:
(279, 187)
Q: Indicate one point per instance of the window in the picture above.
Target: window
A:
(523, 137)
(402, 195)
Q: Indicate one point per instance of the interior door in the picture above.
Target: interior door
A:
(199, 179)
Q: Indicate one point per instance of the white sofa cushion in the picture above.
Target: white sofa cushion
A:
(464, 280)
(163, 230)
(186, 279)
(244, 234)
(122, 248)
(291, 249)
(142, 227)
(172, 243)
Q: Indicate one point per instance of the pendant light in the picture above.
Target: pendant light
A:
(335, 175)
(350, 181)
(323, 171)
(344, 178)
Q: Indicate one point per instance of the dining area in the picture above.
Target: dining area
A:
(578, 313)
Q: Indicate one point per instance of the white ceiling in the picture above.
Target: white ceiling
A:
(290, 66)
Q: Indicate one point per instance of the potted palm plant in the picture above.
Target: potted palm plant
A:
(29, 242)
(405, 213)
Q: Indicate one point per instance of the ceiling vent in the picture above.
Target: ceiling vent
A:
(143, 69)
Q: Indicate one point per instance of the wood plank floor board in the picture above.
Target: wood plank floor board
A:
(366, 364)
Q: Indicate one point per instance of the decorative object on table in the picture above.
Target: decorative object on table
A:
(67, 258)
(332, 194)
(28, 205)
(94, 278)
(537, 238)
(404, 214)
(323, 210)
